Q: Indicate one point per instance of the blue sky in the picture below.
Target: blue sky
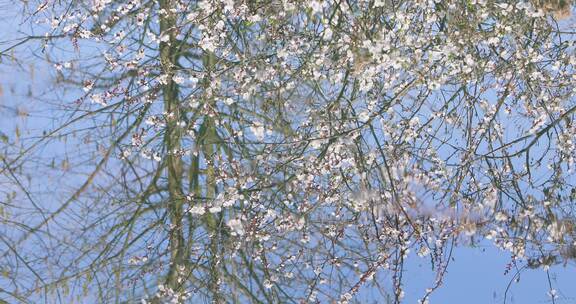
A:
(476, 275)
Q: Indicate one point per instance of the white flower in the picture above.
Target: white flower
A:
(193, 80)
(424, 251)
(236, 227)
(156, 156)
(327, 34)
(500, 216)
(197, 210)
(194, 103)
(553, 293)
(258, 130)
(215, 209)
(178, 79)
(99, 99)
(364, 116)
(538, 123)
(229, 101)
(88, 85)
(379, 3)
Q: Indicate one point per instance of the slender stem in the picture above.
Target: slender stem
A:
(172, 138)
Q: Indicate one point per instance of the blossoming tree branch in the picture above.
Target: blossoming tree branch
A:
(279, 151)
